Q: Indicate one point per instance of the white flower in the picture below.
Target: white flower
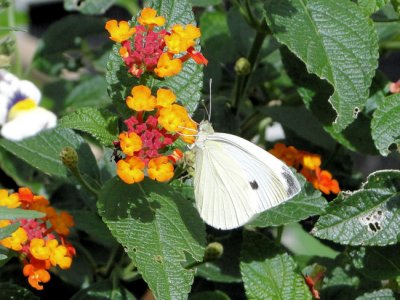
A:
(20, 115)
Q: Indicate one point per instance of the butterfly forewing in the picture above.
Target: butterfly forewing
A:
(235, 180)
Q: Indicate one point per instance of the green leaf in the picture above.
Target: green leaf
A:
(18, 213)
(268, 273)
(396, 5)
(335, 41)
(43, 152)
(5, 255)
(186, 85)
(369, 216)
(13, 291)
(214, 295)
(104, 290)
(66, 45)
(368, 7)
(386, 123)
(100, 123)
(8, 230)
(88, 7)
(377, 263)
(205, 3)
(159, 229)
(89, 92)
(385, 294)
(308, 202)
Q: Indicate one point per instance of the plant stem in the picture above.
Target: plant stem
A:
(11, 25)
(83, 181)
(279, 234)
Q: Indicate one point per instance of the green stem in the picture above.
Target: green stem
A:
(242, 82)
(111, 260)
(90, 188)
(11, 24)
(279, 234)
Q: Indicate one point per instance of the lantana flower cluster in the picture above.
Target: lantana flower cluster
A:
(41, 243)
(156, 124)
(309, 165)
(147, 48)
(157, 120)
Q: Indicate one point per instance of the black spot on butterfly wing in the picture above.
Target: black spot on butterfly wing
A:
(254, 185)
(290, 181)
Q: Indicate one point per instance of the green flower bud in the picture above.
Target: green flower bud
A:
(242, 66)
(69, 157)
(213, 251)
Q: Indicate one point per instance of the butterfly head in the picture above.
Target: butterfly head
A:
(205, 127)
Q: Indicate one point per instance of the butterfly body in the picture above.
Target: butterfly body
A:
(235, 180)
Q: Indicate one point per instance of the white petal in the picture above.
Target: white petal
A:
(274, 132)
(30, 90)
(28, 124)
(3, 109)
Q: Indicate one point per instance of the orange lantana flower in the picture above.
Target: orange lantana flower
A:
(130, 169)
(141, 99)
(168, 66)
(119, 32)
(160, 169)
(148, 17)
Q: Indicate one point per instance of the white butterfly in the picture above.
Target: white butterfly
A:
(235, 180)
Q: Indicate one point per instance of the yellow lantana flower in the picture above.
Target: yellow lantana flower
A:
(160, 169)
(119, 32)
(148, 17)
(168, 66)
(141, 99)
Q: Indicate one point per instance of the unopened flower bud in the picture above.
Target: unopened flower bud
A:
(69, 157)
(242, 66)
(213, 251)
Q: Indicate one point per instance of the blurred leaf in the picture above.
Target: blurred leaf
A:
(386, 123)
(10, 291)
(9, 229)
(308, 202)
(18, 213)
(318, 32)
(268, 273)
(158, 229)
(214, 295)
(100, 123)
(368, 7)
(205, 3)
(396, 5)
(88, 7)
(302, 122)
(93, 225)
(385, 294)
(369, 216)
(186, 85)
(226, 268)
(104, 290)
(377, 263)
(64, 44)
(5, 255)
(43, 152)
(90, 92)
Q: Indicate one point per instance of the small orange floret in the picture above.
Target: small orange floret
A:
(325, 183)
(130, 142)
(168, 66)
(59, 254)
(311, 161)
(148, 17)
(119, 32)
(165, 97)
(160, 169)
(61, 222)
(175, 156)
(130, 169)
(181, 38)
(290, 155)
(36, 276)
(141, 99)
(17, 239)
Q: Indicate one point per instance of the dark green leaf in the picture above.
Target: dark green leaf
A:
(369, 216)
(18, 213)
(204, 3)
(335, 41)
(43, 152)
(104, 290)
(386, 124)
(100, 123)
(158, 229)
(89, 7)
(9, 291)
(385, 294)
(308, 202)
(368, 7)
(5, 255)
(377, 263)
(214, 295)
(268, 273)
